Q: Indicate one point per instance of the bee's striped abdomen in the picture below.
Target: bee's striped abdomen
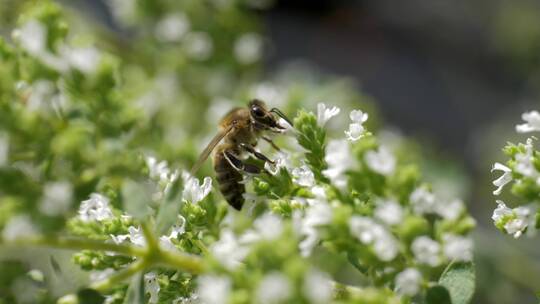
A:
(229, 181)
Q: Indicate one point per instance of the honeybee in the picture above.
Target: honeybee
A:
(239, 132)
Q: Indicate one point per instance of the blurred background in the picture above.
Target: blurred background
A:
(454, 75)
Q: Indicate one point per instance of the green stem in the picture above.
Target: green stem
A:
(201, 246)
(151, 241)
(182, 261)
(75, 244)
(110, 282)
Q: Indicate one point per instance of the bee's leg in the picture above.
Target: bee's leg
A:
(240, 165)
(256, 153)
(268, 140)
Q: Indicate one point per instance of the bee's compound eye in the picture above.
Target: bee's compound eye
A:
(257, 111)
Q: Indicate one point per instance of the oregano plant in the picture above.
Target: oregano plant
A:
(97, 138)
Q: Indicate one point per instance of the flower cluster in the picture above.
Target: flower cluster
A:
(95, 148)
(522, 171)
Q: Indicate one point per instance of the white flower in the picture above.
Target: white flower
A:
(96, 208)
(516, 226)
(358, 116)
(176, 230)
(192, 299)
(4, 149)
(457, 247)
(172, 27)
(504, 179)
(408, 282)
(213, 289)
(41, 93)
(532, 119)
(194, 192)
(303, 176)
(318, 287)
(501, 212)
(151, 286)
(381, 161)
(356, 128)
(324, 113)
(19, 226)
(426, 251)
(339, 160)
(56, 198)
(33, 37)
(85, 60)
(450, 211)
(267, 227)
(316, 215)
(248, 48)
(423, 201)
(198, 45)
(158, 170)
(389, 212)
(274, 288)
(355, 132)
(525, 162)
(516, 220)
(228, 250)
(135, 236)
(369, 232)
(281, 160)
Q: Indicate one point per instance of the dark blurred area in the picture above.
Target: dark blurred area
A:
(431, 65)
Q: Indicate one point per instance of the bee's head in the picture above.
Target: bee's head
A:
(264, 118)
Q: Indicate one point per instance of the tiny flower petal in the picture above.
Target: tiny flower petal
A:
(423, 201)
(355, 132)
(57, 198)
(369, 232)
(172, 27)
(324, 113)
(151, 286)
(426, 251)
(213, 289)
(248, 48)
(228, 251)
(193, 191)
(408, 282)
(389, 212)
(303, 176)
(381, 161)
(339, 159)
(458, 248)
(504, 179)
(318, 287)
(96, 208)
(19, 226)
(532, 122)
(358, 116)
(274, 288)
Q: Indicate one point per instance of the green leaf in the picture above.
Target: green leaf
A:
(459, 280)
(137, 196)
(438, 295)
(170, 207)
(135, 292)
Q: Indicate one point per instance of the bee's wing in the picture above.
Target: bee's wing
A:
(209, 148)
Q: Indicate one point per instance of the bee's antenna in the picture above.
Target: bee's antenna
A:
(280, 114)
